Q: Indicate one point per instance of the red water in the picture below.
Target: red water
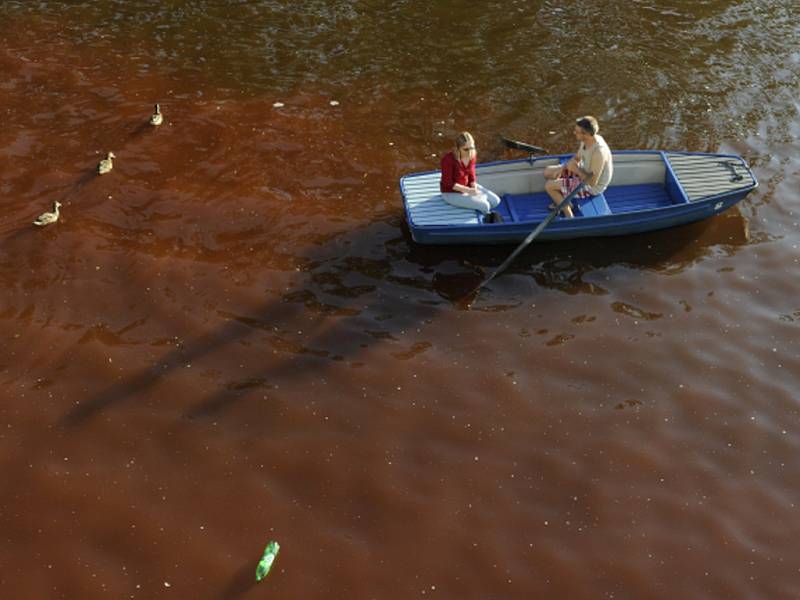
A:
(231, 338)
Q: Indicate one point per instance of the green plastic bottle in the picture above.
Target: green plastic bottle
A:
(265, 564)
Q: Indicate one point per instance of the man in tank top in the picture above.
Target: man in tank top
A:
(592, 164)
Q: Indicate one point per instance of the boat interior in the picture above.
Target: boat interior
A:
(642, 180)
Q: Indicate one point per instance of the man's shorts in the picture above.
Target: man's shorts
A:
(569, 181)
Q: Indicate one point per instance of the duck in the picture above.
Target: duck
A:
(157, 118)
(106, 164)
(48, 217)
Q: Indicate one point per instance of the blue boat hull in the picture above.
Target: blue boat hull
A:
(563, 229)
(685, 196)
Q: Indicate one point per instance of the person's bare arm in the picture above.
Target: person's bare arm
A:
(592, 176)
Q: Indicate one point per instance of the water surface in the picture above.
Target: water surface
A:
(231, 338)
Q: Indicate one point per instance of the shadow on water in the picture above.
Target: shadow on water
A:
(372, 285)
(240, 584)
(338, 319)
(230, 332)
(565, 265)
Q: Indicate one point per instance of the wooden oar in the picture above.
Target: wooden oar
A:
(522, 146)
(531, 236)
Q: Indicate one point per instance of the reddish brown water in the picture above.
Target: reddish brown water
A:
(230, 338)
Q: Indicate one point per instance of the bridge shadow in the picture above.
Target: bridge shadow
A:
(231, 331)
(445, 275)
(373, 284)
(327, 306)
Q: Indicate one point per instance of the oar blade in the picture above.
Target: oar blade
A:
(516, 145)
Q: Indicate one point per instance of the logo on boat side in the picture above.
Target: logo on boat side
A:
(718, 205)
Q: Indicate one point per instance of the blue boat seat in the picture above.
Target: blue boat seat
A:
(592, 206)
(534, 207)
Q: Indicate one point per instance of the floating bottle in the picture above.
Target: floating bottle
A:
(265, 564)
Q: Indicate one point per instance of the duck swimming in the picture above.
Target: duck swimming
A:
(106, 164)
(48, 217)
(157, 118)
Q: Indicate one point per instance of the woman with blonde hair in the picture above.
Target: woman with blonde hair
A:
(459, 185)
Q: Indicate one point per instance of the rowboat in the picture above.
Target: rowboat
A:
(650, 190)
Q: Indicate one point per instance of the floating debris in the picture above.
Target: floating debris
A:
(278, 105)
(334, 103)
(269, 556)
